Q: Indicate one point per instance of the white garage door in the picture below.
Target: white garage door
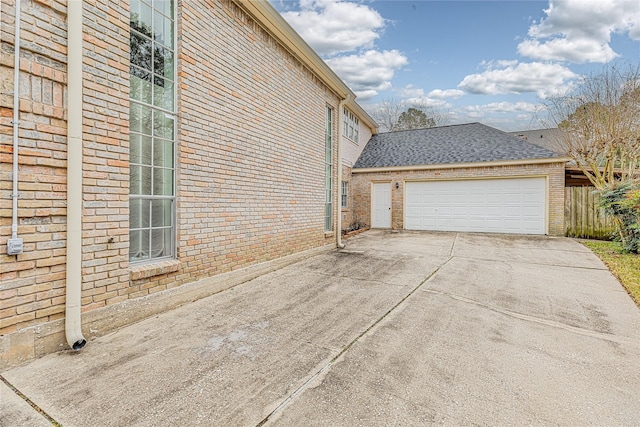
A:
(513, 205)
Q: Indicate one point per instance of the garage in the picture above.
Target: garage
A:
(467, 178)
(511, 205)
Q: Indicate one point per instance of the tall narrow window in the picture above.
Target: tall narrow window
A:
(345, 193)
(152, 130)
(345, 122)
(328, 171)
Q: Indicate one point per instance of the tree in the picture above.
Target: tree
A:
(623, 203)
(600, 120)
(600, 123)
(394, 114)
(414, 119)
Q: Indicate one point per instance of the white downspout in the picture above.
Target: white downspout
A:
(73, 323)
(339, 243)
(14, 245)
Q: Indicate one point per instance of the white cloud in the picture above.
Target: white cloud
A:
(580, 31)
(436, 98)
(502, 107)
(368, 72)
(364, 95)
(564, 49)
(410, 91)
(332, 27)
(508, 116)
(541, 78)
(499, 63)
(444, 94)
(421, 101)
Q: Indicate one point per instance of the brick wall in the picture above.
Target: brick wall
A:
(361, 188)
(251, 147)
(32, 284)
(105, 236)
(250, 162)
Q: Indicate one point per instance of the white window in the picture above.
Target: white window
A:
(328, 171)
(355, 130)
(152, 130)
(345, 193)
(350, 124)
(345, 123)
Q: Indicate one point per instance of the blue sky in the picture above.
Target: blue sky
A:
(496, 62)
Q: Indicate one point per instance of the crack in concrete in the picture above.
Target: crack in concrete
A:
(31, 403)
(534, 263)
(541, 321)
(325, 369)
(453, 244)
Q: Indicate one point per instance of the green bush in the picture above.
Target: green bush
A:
(623, 203)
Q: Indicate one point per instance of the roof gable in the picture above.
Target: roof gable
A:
(468, 143)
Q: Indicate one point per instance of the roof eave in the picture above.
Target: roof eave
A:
(498, 163)
(363, 115)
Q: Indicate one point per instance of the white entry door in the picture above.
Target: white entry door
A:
(381, 205)
(513, 205)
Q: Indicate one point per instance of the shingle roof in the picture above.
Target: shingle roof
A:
(545, 138)
(468, 143)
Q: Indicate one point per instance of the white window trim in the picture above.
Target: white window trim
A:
(328, 162)
(173, 113)
(350, 126)
(344, 203)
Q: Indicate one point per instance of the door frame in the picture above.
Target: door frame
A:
(373, 204)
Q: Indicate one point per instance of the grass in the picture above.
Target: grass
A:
(625, 266)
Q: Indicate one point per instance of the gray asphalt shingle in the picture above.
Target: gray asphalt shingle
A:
(467, 143)
(551, 139)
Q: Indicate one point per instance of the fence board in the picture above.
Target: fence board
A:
(583, 217)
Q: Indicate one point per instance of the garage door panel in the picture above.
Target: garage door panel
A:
(513, 205)
(531, 212)
(513, 211)
(494, 211)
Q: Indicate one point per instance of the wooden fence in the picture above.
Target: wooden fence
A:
(583, 216)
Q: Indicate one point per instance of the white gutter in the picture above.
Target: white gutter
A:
(362, 115)
(73, 323)
(339, 243)
(496, 163)
(14, 245)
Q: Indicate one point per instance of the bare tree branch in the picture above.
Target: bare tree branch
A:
(600, 120)
(388, 114)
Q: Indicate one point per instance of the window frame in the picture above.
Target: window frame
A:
(146, 220)
(328, 168)
(350, 125)
(345, 195)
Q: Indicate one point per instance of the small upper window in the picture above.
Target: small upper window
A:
(350, 124)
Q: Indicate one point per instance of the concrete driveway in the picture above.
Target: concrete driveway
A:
(398, 329)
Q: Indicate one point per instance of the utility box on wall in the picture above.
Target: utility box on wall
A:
(14, 246)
